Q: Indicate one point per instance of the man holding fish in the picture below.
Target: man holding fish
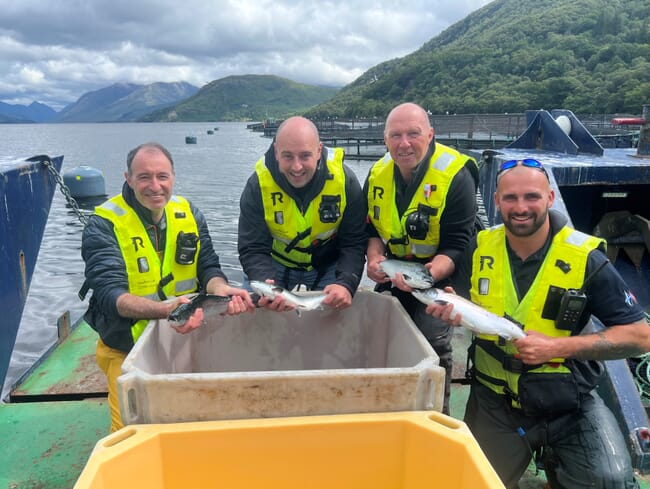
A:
(421, 209)
(302, 218)
(535, 394)
(141, 247)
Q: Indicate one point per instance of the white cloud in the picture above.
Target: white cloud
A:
(31, 76)
(54, 52)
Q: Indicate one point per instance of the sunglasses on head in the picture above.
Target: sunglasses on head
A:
(529, 162)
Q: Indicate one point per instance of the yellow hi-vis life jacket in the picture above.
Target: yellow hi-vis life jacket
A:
(296, 235)
(430, 199)
(143, 266)
(492, 288)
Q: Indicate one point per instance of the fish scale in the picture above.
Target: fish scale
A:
(299, 302)
(473, 317)
(414, 273)
(206, 301)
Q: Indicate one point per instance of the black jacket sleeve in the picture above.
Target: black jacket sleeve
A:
(610, 298)
(351, 236)
(254, 239)
(458, 218)
(105, 272)
(371, 231)
(105, 269)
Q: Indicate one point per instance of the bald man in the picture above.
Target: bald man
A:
(537, 394)
(302, 218)
(422, 208)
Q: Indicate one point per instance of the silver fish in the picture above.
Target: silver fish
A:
(415, 274)
(211, 304)
(474, 318)
(309, 302)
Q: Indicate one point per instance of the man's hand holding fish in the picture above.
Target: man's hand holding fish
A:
(188, 314)
(192, 322)
(458, 310)
(269, 299)
(444, 311)
(280, 299)
(402, 274)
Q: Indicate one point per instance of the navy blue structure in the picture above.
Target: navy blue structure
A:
(592, 183)
(26, 191)
(543, 132)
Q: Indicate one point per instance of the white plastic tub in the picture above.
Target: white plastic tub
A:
(368, 358)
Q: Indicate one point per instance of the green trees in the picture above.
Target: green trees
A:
(588, 56)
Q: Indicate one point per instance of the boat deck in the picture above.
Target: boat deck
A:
(56, 417)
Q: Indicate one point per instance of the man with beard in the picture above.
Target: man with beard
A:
(536, 395)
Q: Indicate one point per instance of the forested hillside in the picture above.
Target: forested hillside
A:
(245, 98)
(588, 56)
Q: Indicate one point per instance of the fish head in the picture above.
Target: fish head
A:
(417, 282)
(261, 288)
(426, 296)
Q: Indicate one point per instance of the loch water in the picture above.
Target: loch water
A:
(210, 173)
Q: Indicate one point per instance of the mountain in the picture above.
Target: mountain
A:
(588, 56)
(123, 102)
(247, 97)
(34, 112)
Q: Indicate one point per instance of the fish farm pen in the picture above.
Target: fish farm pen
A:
(363, 137)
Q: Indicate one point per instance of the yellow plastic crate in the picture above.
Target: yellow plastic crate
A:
(405, 450)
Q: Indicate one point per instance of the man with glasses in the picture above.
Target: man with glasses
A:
(535, 395)
(421, 207)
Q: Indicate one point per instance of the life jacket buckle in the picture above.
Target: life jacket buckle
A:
(513, 364)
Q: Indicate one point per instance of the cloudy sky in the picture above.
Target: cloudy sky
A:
(55, 51)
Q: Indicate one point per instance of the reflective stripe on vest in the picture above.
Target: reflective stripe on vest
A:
(143, 267)
(294, 234)
(444, 164)
(492, 288)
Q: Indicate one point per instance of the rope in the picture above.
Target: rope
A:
(642, 376)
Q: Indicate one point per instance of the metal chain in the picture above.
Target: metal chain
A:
(64, 189)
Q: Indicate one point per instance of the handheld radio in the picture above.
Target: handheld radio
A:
(573, 303)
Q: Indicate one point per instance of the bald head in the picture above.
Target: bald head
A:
(297, 127)
(408, 111)
(523, 197)
(520, 174)
(298, 150)
(407, 135)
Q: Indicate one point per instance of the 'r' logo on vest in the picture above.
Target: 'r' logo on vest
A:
(137, 240)
(276, 197)
(486, 261)
(377, 193)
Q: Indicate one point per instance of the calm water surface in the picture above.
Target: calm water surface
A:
(211, 173)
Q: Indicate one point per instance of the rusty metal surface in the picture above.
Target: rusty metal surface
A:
(67, 371)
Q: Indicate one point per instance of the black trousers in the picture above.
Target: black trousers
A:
(582, 450)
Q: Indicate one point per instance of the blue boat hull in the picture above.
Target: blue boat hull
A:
(26, 192)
